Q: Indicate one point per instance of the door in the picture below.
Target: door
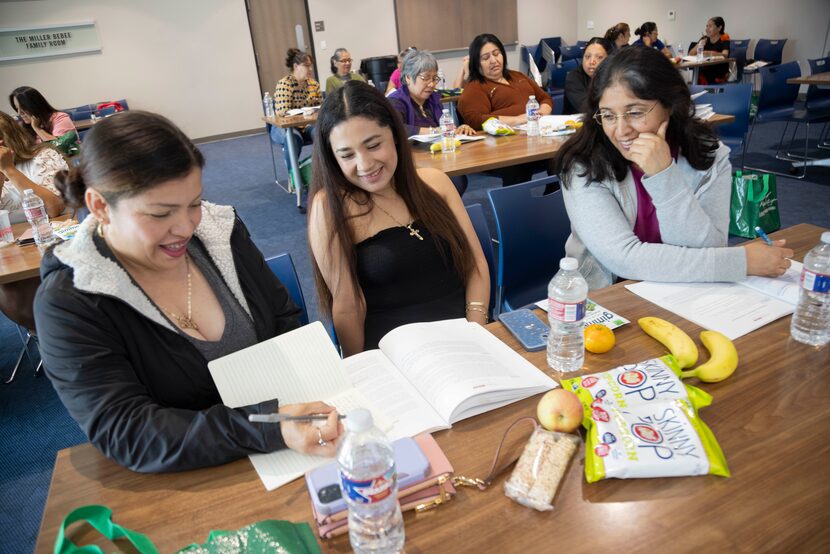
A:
(276, 26)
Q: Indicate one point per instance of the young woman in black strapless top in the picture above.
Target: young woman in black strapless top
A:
(391, 244)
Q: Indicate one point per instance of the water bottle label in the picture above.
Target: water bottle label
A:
(371, 490)
(566, 313)
(815, 282)
(35, 213)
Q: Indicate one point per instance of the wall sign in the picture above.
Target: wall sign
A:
(39, 41)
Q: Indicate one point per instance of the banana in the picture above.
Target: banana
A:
(723, 359)
(678, 342)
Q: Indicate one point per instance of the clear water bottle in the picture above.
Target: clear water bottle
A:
(680, 50)
(442, 80)
(268, 104)
(370, 486)
(699, 50)
(447, 132)
(567, 293)
(532, 111)
(811, 320)
(37, 217)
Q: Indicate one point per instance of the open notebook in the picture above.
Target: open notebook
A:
(424, 377)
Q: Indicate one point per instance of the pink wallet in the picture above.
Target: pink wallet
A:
(434, 490)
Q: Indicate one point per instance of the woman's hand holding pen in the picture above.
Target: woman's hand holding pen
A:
(308, 438)
(767, 261)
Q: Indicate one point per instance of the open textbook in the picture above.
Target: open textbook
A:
(424, 377)
(734, 309)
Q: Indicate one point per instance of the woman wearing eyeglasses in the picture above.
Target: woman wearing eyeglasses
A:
(296, 90)
(647, 186)
(341, 68)
(418, 102)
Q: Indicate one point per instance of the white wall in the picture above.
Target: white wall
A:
(802, 22)
(191, 60)
(346, 26)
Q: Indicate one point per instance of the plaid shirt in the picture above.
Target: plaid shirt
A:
(289, 95)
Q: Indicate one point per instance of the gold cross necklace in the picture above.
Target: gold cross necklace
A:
(186, 322)
(412, 231)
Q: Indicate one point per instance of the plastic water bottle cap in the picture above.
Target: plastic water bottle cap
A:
(568, 264)
(533, 97)
(825, 237)
(359, 420)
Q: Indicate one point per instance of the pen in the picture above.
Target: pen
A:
(277, 418)
(760, 232)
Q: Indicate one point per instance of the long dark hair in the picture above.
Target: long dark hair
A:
(475, 56)
(614, 32)
(649, 75)
(33, 102)
(719, 22)
(357, 99)
(127, 154)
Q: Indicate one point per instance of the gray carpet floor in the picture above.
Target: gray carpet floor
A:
(33, 423)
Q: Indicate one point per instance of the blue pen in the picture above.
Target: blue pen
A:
(760, 232)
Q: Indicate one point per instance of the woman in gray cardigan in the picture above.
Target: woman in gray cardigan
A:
(647, 186)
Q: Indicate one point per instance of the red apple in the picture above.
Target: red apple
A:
(560, 410)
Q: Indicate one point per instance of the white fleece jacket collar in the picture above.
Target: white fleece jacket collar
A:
(96, 274)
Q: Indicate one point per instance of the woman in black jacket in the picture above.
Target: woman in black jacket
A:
(578, 79)
(156, 283)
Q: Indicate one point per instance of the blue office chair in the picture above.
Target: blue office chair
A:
(573, 52)
(532, 230)
(770, 50)
(582, 44)
(819, 98)
(776, 102)
(558, 73)
(737, 50)
(730, 99)
(479, 220)
(283, 267)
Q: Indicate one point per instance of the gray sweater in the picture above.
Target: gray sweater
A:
(693, 211)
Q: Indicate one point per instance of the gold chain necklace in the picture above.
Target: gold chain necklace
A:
(412, 231)
(186, 322)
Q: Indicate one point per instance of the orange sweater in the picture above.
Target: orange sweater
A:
(481, 101)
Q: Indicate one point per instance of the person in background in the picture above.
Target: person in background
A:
(154, 285)
(648, 38)
(395, 79)
(419, 104)
(494, 90)
(26, 165)
(578, 79)
(390, 244)
(619, 35)
(647, 186)
(714, 44)
(44, 122)
(341, 68)
(296, 90)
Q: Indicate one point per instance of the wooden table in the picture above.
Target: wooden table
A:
(19, 262)
(497, 152)
(696, 65)
(822, 79)
(772, 418)
(288, 122)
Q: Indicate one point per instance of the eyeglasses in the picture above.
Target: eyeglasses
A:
(434, 79)
(345, 60)
(631, 116)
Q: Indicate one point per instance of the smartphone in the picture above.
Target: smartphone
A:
(528, 329)
(324, 482)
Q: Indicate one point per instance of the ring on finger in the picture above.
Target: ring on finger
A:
(320, 440)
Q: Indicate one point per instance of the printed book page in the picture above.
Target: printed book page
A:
(785, 287)
(460, 368)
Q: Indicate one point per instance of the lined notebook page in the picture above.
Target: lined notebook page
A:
(300, 366)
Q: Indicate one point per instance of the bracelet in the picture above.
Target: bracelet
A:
(481, 304)
(478, 309)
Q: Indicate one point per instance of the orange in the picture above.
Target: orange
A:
(599, 339)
